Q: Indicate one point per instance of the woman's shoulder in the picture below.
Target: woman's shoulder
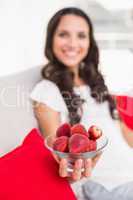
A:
(45, 83)
(48, 92)
(45, 88)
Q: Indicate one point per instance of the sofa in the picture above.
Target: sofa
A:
(16, 113)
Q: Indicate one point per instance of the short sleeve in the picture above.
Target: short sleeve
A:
(48, 93)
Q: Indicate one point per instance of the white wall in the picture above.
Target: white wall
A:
(117, 68)
(22, 30)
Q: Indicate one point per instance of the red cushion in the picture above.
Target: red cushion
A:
(125, 108)
(30, 173)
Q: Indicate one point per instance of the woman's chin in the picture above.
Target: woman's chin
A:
(71, 65)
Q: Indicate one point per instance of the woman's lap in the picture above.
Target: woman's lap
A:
(94, 191)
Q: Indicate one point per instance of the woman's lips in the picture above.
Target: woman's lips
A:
(71, 54)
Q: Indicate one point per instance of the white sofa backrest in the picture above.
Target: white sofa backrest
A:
(16, 114)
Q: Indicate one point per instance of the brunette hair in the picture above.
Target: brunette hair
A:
(88, 71)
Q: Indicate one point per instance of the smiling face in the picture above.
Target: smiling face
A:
(71, 40)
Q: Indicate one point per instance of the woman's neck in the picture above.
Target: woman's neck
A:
(77, 80)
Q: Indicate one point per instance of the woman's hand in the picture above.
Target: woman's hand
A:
(77, 174)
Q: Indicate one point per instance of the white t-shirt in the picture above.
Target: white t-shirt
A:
(115, 166)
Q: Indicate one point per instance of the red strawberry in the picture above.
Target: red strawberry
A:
(78, 143)
(79, 129)
(92, 145)
(64, 130)
(94, 132)
(61, 144)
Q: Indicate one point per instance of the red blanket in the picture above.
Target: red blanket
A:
(30, 173)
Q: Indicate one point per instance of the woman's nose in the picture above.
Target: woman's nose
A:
(73, 42)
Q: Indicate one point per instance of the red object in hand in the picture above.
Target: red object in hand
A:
(94, 132)
(92, 145)
(61, 144)
(78, 129)
(76, 139)
(64, 130)
(78, 143)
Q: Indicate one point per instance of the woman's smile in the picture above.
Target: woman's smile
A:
(70, 53)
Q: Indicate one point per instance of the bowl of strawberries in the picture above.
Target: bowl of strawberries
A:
(76, 142)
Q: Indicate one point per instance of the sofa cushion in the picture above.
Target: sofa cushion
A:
(29, 172)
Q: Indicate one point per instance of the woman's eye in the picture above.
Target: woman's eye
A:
(62, 34)
(82, 36)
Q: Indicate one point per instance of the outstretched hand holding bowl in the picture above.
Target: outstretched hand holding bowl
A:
(76, 149)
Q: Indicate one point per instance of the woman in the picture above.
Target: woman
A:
(73, 90)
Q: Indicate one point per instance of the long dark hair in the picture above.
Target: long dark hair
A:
(88, 71)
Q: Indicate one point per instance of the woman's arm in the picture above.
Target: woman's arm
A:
(48, 119)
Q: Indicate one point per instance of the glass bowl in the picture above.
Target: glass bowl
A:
(71, 157)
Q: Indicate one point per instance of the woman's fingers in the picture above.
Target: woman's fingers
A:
(95, 159)
(77, 174)
(56, 157)
(77, 170)
(63, 167)
(87, 167)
